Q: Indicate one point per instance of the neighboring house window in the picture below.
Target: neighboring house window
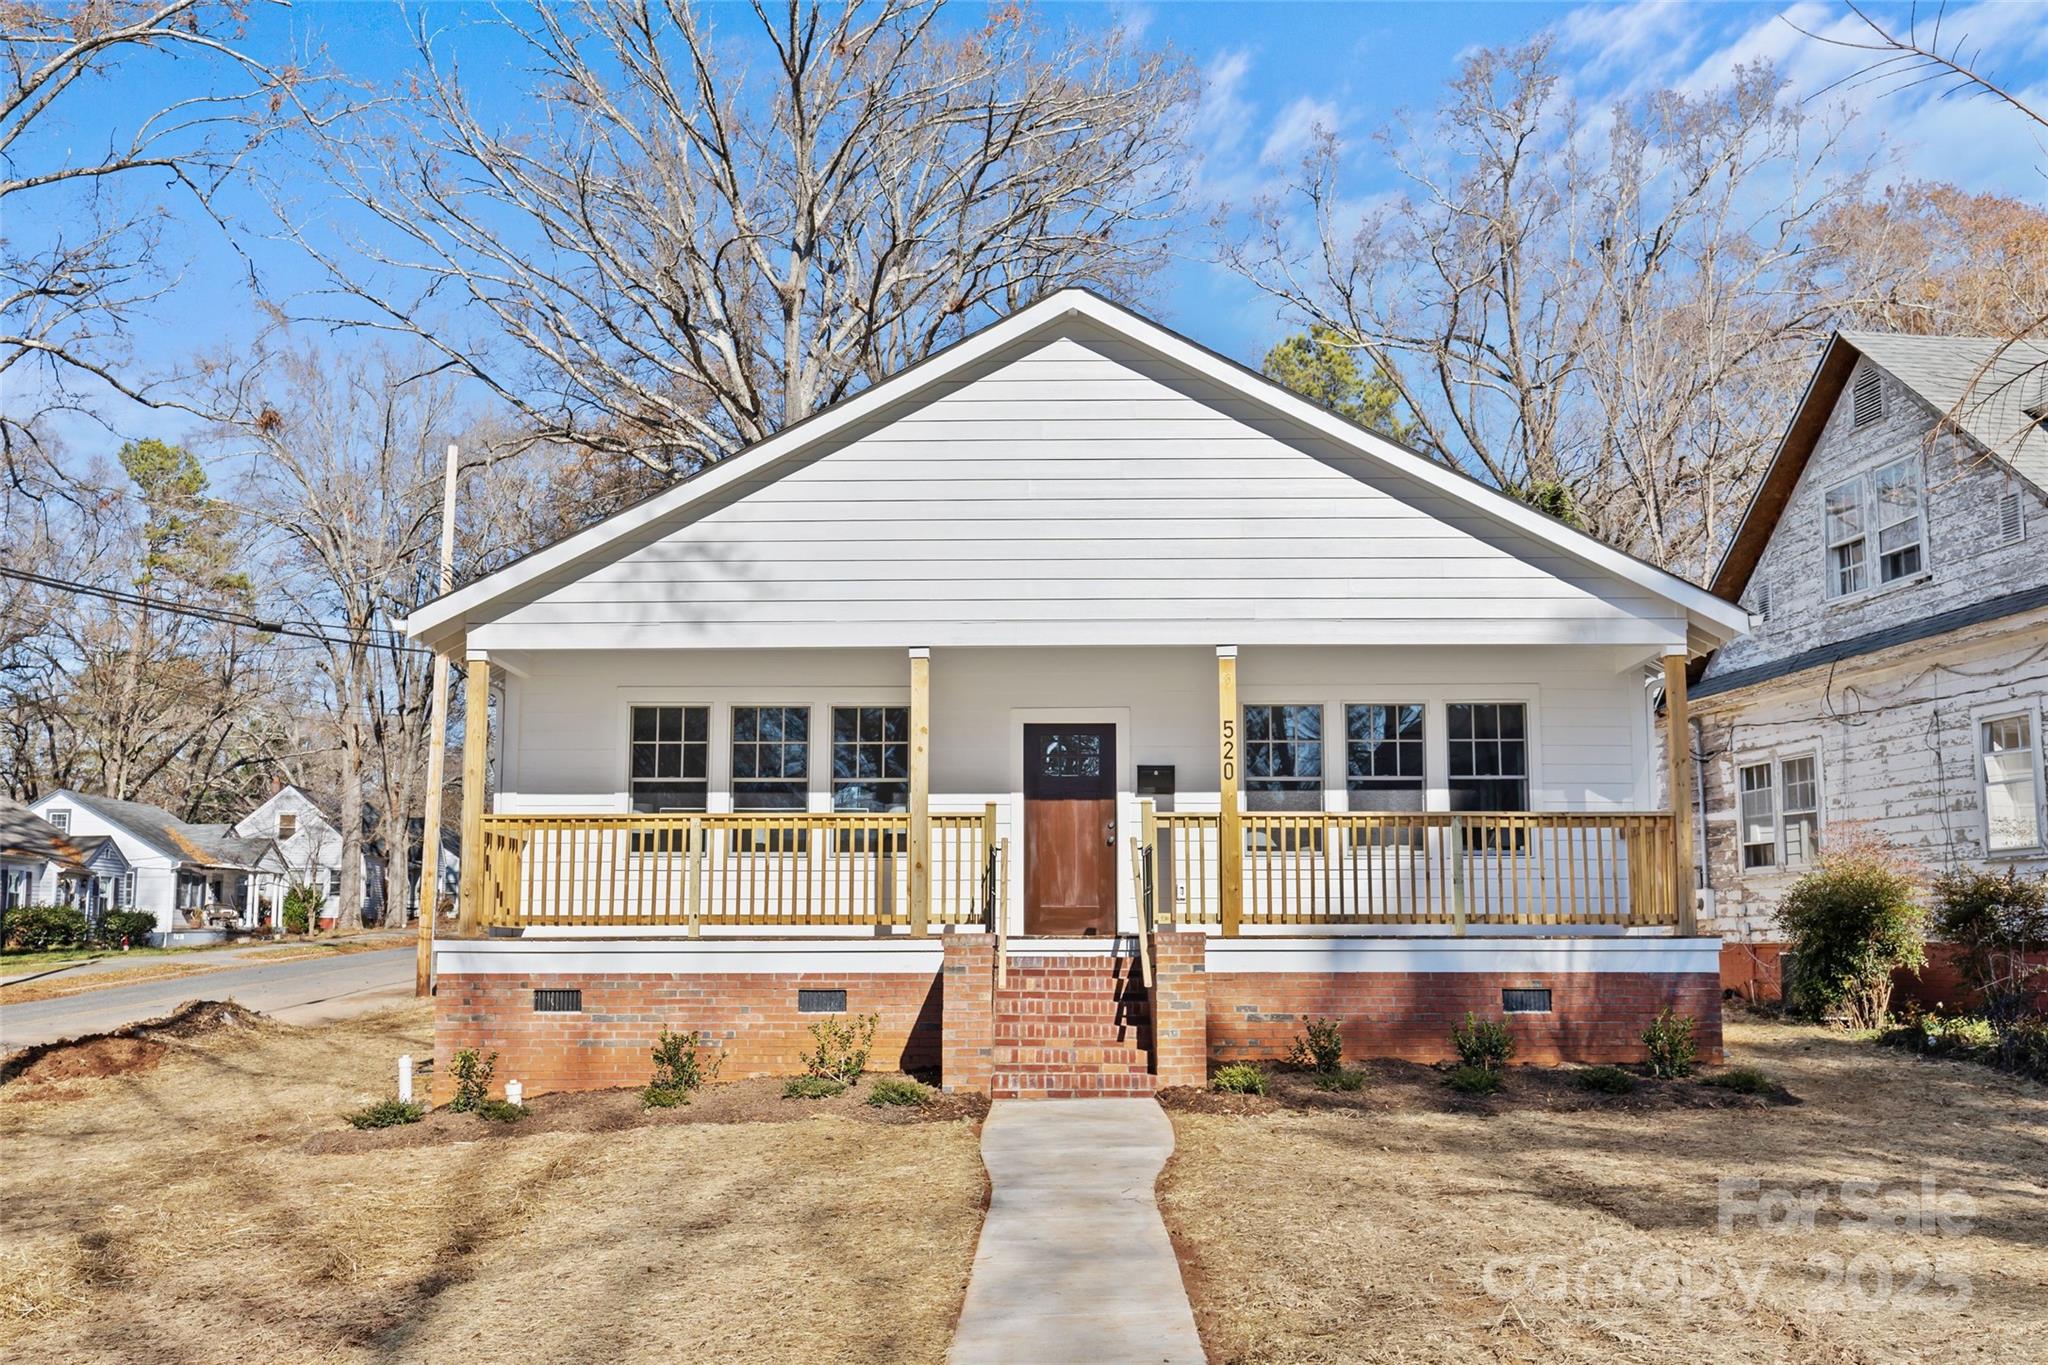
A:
(871, 758)
(334, 884)
(2012, 789)
(667, 766)
(1489, 749)
(1383, 756)
(1846, 572)
(770, 757)
(1283, 757)
(287, 824)
(1896, 501)
(1779, 812)
(60, 820)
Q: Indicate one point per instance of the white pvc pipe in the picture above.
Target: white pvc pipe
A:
(515, 1093)
(405, 1078)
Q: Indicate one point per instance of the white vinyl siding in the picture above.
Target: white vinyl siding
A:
(1081, 491)
(2011, 770)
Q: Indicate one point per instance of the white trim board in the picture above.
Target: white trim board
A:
(1511, 957)
(1711, 621)
(689, 957)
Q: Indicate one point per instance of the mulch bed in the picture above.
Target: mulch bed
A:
(758, 1100)
(1412, 1087)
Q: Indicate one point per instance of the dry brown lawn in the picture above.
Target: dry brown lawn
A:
(1367, 1236)
(178, 1212)
(62, 984)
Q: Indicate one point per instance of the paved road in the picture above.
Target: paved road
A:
(309, 991)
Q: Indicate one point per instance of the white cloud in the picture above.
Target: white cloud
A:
(1296, 127)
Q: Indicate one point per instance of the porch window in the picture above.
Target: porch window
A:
(1489, 750)
(1759, 817)
(871, 758)
(2012, 790)
(1283, 758)
(770, 757)
(1383, 756)
(668, 759)
(1846, 551)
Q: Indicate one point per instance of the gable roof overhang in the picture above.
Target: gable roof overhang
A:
(443, 622)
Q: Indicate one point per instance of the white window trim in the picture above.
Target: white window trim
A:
(1978, 716)
(59, 818)
(1878, 527)
(1775, 760)
(1829, 544)
(1865, 483)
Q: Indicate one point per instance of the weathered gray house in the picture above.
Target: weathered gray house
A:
(1895, 566)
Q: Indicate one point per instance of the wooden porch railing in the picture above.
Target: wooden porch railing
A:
(749, 869)
(1379, 868)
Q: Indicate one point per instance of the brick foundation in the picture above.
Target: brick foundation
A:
(751, 1018)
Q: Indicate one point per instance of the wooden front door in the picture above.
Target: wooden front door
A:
(1070, 829)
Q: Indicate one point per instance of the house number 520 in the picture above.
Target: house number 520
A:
(1230, 751)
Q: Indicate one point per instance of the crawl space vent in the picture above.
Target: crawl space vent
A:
(558, 1002)
(1526, 1000)
(821, 1002)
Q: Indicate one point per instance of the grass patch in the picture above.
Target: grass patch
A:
(1339, 1079)
(812, 1088)
(500, 1111)
(1474, 1080)
(1743, 1080)
(1239, 1078)
(389, 1113)
(1605, 1080)
(895, 1090)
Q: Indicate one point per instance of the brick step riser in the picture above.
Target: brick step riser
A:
(1037, 1089)
(1074, 1058)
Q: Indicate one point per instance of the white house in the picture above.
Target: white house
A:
(309, 847)
(1197, 654)
(41, 865)
(193, 878)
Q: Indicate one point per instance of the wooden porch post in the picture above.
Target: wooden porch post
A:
(1678, 765)
(1230, 822)
(476, 750)
(920, 791)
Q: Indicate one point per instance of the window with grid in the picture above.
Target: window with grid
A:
(1759, 815)
(1896, 501)
(771, 753)
(871, 758)
(1283, 756)
(1489, 752)
(60, 820)
(1846, 547)
(2012, 792)
(1383, 755)
(669, 745)
(1799, 808)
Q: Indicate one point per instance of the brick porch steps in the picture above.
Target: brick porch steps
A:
(1072, 1027)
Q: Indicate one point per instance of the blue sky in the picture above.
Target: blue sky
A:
(1270, 72)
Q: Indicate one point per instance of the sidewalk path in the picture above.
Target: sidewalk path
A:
(1074, 1262)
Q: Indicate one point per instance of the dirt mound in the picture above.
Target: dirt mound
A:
(610, 1111)
(124, 1051)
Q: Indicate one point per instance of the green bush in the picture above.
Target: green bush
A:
(132, 927)
(501, 1111)
(472, 1072)
(1338, 1078)
(1668, 1041)
(1320, 1048)
(1743, 1080)
(46, 928)
(1239, 1078)
(678, 1070)
(895, 1090)
(1484, 1043)
(1849, 924)
(2021, 1045)
(842, 1048)
(1474, 1080)
(812, 1088)
(1998, 922)
(1605, 1080)
(387, 1114)
(302, 908)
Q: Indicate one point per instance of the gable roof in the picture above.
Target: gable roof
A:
(1987, 385)
(442, 620)
(24, 834)
(206, 845)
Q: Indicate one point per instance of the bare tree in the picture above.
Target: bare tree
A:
(691, 239)
(1602, 319)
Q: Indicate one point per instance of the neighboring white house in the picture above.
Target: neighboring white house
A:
(1895, 561)
(42, 865)
(193, 878)
(307, 834)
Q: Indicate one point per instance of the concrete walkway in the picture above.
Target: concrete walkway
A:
(1074, 1262)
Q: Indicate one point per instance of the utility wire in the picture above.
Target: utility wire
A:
(312, 630)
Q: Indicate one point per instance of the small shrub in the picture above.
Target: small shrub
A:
(1239, 1078)
(1338, 1078)
(895, 1090)
(1849, 924)
(1743, 1080)
(132, 927)
(472, 1071)
(1669, 1044)
(1999, 922)
(678, 1070)
(1605, 1080)
(812, 1088)
(302, 907)
(501, 1111)
(1474, 1080)
(842, 1048)
(387, 1114)
(1483, 1043)
(46, 929)
(1320, 1048)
